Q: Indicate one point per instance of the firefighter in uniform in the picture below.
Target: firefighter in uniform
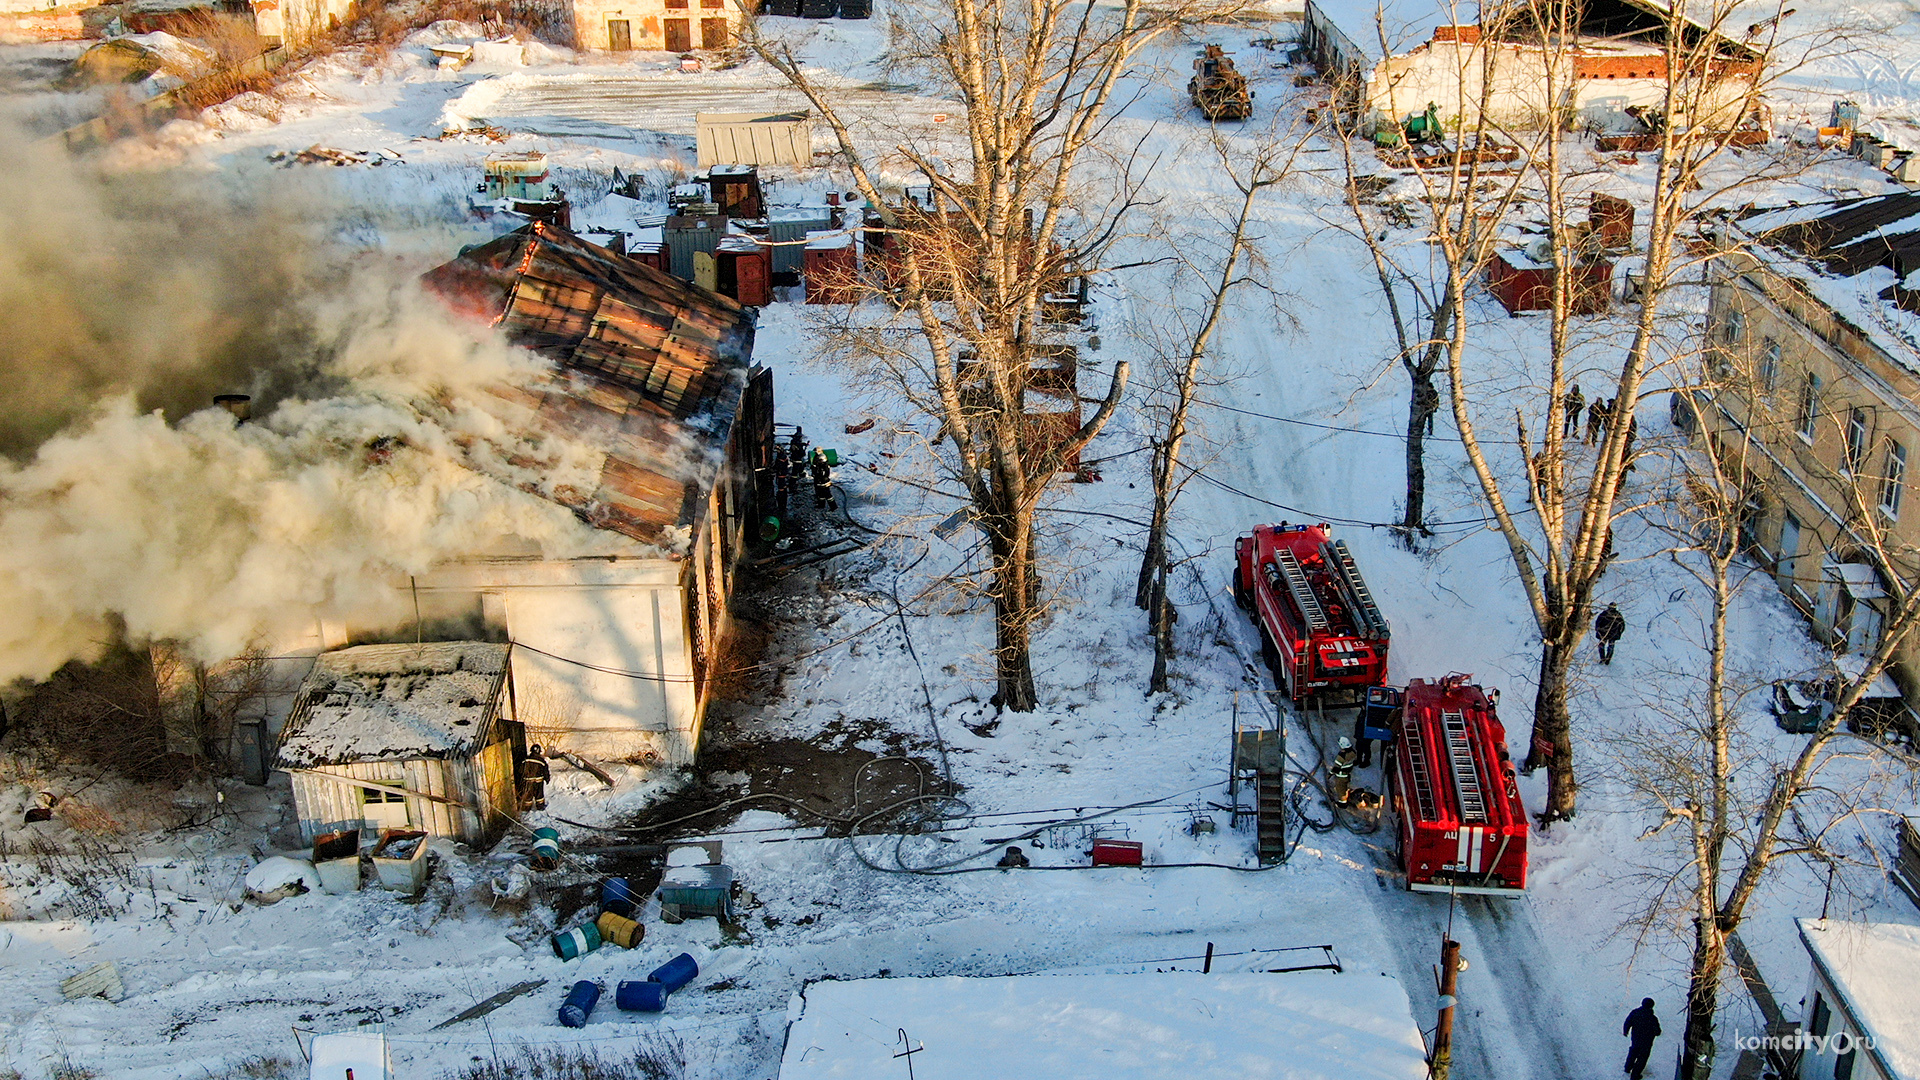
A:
(822, 479)
(534, 774)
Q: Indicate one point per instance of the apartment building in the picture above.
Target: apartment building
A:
(1811, 334)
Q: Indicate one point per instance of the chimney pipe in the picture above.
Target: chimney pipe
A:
(240, 405)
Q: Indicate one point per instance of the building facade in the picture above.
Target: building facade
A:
(1857, 1021)
(676, 26)
(1814, 406)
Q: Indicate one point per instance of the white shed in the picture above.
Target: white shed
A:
(1862, 1015)
(403, 737)
(754, 138)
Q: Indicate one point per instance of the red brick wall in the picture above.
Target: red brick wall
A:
(1466, 35)
(1588, 66)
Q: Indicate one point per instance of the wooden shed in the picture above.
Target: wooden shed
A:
(1522, 283)
(404, 737)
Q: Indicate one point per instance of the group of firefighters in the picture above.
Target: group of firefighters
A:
(792, 462)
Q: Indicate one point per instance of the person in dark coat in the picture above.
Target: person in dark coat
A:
(782, 476)
(1642, 1027)
(534, 774)
(822, 480)
(1608, 628)
(797, 446)
(1596, 420)
(1576, 404)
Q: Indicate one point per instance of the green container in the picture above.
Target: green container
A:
(546, 849)
(832, 455)
(699, 892)
(579, 941)
(770, 528)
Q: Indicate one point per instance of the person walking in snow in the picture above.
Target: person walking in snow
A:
(1576, 403)
(1608, 628)
(1642, 1027)
(1596, 420)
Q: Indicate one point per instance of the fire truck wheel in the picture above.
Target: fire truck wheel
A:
(1241, 596)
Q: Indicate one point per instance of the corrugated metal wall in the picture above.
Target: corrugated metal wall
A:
(741, 139)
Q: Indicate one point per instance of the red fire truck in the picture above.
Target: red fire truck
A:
(1322, 633)
(1462, 825)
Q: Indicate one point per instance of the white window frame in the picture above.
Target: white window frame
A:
(1788, 554)
(1734, 327)
(1809, 419)
(1769, 370)
(1893, 484)
(1854, 453)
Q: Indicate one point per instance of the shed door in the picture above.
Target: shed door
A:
(679, 35)
(383, 810)
(713, 34)
(619, 35)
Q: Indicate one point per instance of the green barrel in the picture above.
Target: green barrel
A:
(579, 941)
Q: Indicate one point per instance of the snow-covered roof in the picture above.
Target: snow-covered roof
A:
(1874, 968)
(1851, 255)
(1406, 23)
(390, 702)
(1313, 1025)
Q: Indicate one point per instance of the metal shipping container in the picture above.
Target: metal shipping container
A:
(686, 235)
(787, 229)
(754, 138)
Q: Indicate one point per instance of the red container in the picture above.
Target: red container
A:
(1116, 853)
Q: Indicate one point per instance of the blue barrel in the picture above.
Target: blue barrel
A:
(579, 1004)
(546, 848)
(675, 973)
(579, 941)
(617, 897)
(635, 995)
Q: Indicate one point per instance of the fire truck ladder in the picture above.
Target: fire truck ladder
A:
(1417, 755)
(1365, 610)
(1466, 775)
(1302, 592)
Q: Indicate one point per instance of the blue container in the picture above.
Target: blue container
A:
(617, 896)
(579, 1004)
(675, 973)
(641, 996)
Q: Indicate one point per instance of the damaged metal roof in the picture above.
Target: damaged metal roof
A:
(392, 702)
(650, 367)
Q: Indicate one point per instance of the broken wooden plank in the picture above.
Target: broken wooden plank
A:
(494, 1002)
(579, 762)
(100, 980)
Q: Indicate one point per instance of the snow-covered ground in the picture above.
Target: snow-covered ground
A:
(212, 983)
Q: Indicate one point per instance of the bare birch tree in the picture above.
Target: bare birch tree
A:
(1036, 86)
(1736, 806)
(1265, 164)
(1560, 556)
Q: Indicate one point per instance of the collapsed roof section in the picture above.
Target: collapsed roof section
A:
(649, 370)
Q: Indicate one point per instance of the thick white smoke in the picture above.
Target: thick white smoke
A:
(379, 448)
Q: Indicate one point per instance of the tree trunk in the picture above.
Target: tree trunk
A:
(1703, 1000)
(1160, 623)
(1013, 612)
(1422, 403)
(1153, 560)
(1552, 743)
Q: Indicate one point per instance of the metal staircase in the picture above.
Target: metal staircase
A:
(1466, 774)
(1263, 751)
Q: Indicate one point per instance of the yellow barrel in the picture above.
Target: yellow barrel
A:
(623, 932)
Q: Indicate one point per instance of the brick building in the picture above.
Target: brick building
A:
(671, 25)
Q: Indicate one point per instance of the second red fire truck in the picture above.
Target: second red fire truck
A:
(1461, 823)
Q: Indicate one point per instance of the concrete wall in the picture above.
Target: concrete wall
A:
(1519, 89)
(603, 662)
(1766, 336)
(296, 22)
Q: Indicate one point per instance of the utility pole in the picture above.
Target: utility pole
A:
(1442, 1061)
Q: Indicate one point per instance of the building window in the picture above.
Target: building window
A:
(1809, 406)
(1843, 1064)
(1734, 327)
(1769, 365)
(1856, 439)
(1894, 480)
(1818, 1025)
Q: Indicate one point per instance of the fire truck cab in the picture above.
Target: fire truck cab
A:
(1321, 631)
(1461, 823)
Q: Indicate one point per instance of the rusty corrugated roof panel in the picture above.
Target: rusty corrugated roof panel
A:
(651, 368)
